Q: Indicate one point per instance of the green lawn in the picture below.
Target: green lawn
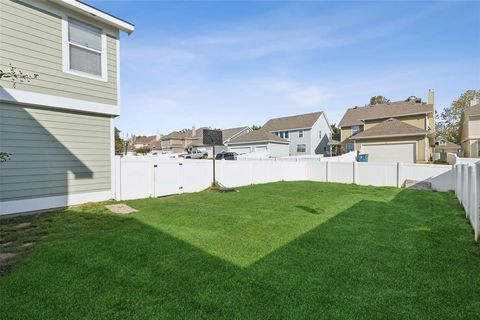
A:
(288, 250)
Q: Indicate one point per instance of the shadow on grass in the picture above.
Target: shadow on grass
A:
(309, 209)
(365, 262)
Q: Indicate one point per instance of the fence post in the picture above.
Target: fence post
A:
(354, 177)
(477, 202)
(326, 171)
(398, 175)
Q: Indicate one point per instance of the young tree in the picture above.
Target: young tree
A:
(448, 124)
(119, 143)
(255, 127)
(378, 100)
(4, 156)
(143, 150)
(15, 76)
(335, 129)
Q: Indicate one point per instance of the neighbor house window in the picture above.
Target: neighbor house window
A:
(281, 134)
(478, 149)
(85, 49)
(355, 130)
(286, 134)
(300, 133)
(350, 146)
(320, 134)
(301, 148)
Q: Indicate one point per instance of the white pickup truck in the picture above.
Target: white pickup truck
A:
(195, 154)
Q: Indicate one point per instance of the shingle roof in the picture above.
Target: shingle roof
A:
(185, 134)
(390, 128)
(300, 121)
(258, 136)
(354, 116)
(229, 133)
(473, 110)
(143, 140)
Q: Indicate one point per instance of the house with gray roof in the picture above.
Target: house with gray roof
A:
(259, 141)
(401, 131)
(307, 134)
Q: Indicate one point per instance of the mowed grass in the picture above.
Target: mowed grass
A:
(290, 250)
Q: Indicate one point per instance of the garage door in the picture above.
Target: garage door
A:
(263, 148)
(240, 150)
(402, 152)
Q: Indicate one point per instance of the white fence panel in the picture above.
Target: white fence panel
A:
(440, 176)
(294, 171)
(136, 178)
(341, 172)
(196, 175)
(234, 173)
(376, 174)
(316, 171)
(167, 178)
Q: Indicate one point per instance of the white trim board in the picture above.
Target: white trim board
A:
(47, 203)
(44, 100)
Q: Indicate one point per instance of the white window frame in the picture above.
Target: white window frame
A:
(302, 144)
(66, 51)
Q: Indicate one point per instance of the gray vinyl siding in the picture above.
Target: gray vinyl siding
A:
(53, 152)
(31, 40)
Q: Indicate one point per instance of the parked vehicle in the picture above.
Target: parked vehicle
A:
(226, 156)
(195, 154)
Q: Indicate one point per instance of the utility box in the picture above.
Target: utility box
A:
(363, 157)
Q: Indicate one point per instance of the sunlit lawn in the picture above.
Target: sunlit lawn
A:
(287, 250)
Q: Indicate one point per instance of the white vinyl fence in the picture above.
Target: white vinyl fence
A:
(467, 190)
(143, 177)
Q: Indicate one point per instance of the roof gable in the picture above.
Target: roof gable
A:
(258, 136)
(300, 121)
(390, 128)
(355, 116)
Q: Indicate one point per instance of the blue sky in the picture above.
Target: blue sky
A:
(226, 64)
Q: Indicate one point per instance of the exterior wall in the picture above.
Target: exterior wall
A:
(277, 150)
(415, 120)
(320, 136)
(470, 148)
(274, 149)
(294, 138)
(421, 153)
(31, 40)
(53, 153)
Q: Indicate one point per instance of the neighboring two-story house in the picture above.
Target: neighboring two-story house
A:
(307, 133)
(401, 131)
(179, 141)
(470, 131)
(58, 128)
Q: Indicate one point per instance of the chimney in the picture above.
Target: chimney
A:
(194, 131)
(431, 96)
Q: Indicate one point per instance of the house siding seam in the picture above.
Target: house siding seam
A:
(32, 41)
(53, 153)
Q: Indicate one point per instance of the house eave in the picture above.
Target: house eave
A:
(389, 136)
(97, 14)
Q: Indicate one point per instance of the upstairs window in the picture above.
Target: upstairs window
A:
(355, 130)
(84, 50)
(281, 134)
(300, 133)
(286, 134)
(301, 148)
